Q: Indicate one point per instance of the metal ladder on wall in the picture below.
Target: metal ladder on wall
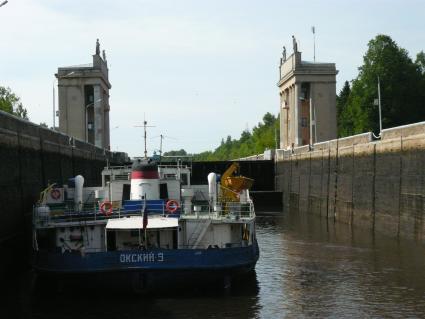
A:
(199, 233)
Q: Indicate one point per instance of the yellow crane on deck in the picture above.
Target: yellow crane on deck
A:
(231, 186)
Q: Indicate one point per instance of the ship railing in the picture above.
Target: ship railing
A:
(66, 212)
(51, 214)
(220, 210)
(116, 167)
(174, 166)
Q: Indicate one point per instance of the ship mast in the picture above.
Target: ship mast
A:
(144, 129)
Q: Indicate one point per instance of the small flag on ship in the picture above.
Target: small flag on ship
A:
(145, 219)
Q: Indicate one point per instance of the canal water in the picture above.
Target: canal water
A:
(308, 268)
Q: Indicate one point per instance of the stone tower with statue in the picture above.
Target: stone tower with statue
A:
(84, 100)
(307, 100)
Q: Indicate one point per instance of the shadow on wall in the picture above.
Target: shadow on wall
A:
(31, 157)
(375, 184)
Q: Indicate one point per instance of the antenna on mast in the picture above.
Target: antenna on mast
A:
(161, 136)
(160, 146)
(144, 128)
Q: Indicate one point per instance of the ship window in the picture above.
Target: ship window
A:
(175, 239)
(111, 241)
(122, 177)
(163, 191)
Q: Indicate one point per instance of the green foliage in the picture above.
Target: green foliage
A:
(420, 62)
(181, 152)
(10, 103)
(264, 136)
(402, 90)
(344, 116)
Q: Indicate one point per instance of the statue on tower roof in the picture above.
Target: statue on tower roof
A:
(284, 54)
(294, 44)
(104, 55)
(97, 47)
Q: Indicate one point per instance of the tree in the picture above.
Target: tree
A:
(344, 119)
(420, 62)
(263, 136)
(21, 112)
(10, 103)
(402, 94)
(180, 152)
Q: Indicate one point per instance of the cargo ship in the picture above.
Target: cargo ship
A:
(147, 226)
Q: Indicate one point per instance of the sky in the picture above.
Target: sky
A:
(196, 70)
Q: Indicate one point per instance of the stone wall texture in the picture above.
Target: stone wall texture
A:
(374, 184)
(31, 157)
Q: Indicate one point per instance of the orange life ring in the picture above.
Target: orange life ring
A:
(55, 193)
(106, 210)
(172, 205)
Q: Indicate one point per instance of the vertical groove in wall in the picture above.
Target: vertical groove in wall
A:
(321, 187)
(419, 218)
(336, 178)
(374, 189)
(329, 181)
(299, 185)
(290, 182)
(352, 191)
(275, 175)
(400, 185)
(309, 185)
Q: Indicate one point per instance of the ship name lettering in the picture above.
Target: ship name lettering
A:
(140, 258)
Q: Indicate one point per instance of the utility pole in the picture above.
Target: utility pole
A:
(313, 29)
(311, 123)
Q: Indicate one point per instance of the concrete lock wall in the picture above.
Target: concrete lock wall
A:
(379, 185)
(31, 157)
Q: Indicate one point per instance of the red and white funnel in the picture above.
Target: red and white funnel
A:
(144, 180)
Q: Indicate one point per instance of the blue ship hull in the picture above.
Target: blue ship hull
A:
(151, 268)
